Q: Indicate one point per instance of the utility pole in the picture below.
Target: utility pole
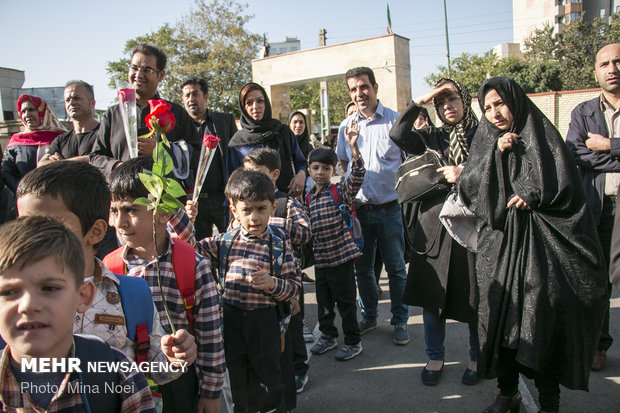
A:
(325, 128)
(445, 14)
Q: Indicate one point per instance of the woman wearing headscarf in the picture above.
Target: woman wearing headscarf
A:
(539, 266)
(23, 150)
(260, 130)
(299, 126)
(441, 272)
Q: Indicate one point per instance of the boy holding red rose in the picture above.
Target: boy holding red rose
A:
(146, 71)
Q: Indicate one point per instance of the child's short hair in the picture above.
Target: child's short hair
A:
(249, 185)
(80, 186)
(264, 157)
(323, 155)
(28, 240)
(124, 180)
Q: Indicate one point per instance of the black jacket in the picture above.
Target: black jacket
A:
(111, 144)
(588, 117)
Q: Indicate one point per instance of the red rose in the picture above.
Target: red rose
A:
(210, 141)
(126, 94)
(160, 118)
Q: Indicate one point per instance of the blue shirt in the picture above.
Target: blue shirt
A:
(381, 156)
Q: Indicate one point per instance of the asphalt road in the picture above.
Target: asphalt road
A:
(386, 377)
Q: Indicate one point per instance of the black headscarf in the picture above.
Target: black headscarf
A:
(255, 132)
(459, 131)
(303, 140)
(540, 272)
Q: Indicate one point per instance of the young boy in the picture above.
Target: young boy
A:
(59, 190)
(253, 285)
(152, 261)
(267, 160)
(41, 288)
(334, 249)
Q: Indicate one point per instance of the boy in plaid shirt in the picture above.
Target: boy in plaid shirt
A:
(252, 337)
(334, 248)
(41, 288)
(199, 389)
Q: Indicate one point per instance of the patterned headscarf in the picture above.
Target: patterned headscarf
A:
(48, 119)
(459, 149)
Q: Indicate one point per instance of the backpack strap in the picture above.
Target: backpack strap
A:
(184, 265)
(276, 253)
(223, 252)
(308, 200)
(114, 261)
(137, 302)
(333, 190)
(94, 349)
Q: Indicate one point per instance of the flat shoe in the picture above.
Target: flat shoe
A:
(431, 377)
(470, 378)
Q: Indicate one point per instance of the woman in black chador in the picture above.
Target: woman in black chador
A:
(539, 266)
(440, 277)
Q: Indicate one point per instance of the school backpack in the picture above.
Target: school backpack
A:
(276, 254)
(353, 224)
(183, 263)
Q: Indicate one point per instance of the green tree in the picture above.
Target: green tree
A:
(209, 42)
(308, 96)
(470, 69)
(552, 61)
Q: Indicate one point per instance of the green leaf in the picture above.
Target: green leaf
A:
(163, 160)
(167, 209)
(153, 183)
(143, 201)
(174, 188)
(157, 169)
(171, 201)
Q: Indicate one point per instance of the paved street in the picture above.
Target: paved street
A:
(386, 377)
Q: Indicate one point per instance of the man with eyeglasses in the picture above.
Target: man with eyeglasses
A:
(146, 71)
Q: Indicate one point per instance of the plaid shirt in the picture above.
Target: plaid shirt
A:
(296, 224)
(12, 399)
(246, 254)
(210, 365)
(115, 335)
(333, 244)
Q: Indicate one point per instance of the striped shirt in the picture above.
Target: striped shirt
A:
(210, 365)
(13, 399)
(333, 244)
(246, 255)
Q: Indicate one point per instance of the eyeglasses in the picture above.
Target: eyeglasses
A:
(147, 70)
(451, 100)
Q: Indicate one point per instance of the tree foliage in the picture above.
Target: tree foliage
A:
(309, 96)
(209, 42)
(551, 61)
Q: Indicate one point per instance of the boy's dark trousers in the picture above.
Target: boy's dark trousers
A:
(252, 347)
(181, 395)
(336, 285)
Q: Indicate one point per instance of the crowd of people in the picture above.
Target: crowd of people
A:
(89, 270)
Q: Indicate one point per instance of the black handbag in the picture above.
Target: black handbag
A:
(417, 177)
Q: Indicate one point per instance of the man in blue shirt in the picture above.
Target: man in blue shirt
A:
(376, 202)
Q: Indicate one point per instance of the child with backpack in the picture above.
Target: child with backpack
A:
(257, 273)
(122, 312)
(335, 248)
(154, 260)
(42, 286)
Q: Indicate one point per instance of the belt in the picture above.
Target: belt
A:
(372, 207)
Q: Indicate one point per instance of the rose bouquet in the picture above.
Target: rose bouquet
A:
(207, 152)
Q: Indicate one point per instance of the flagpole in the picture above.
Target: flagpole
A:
(445, 14)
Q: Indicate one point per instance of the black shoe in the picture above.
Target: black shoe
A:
(431, 377)
(305, 278)
(470, 378)
(504, 404)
